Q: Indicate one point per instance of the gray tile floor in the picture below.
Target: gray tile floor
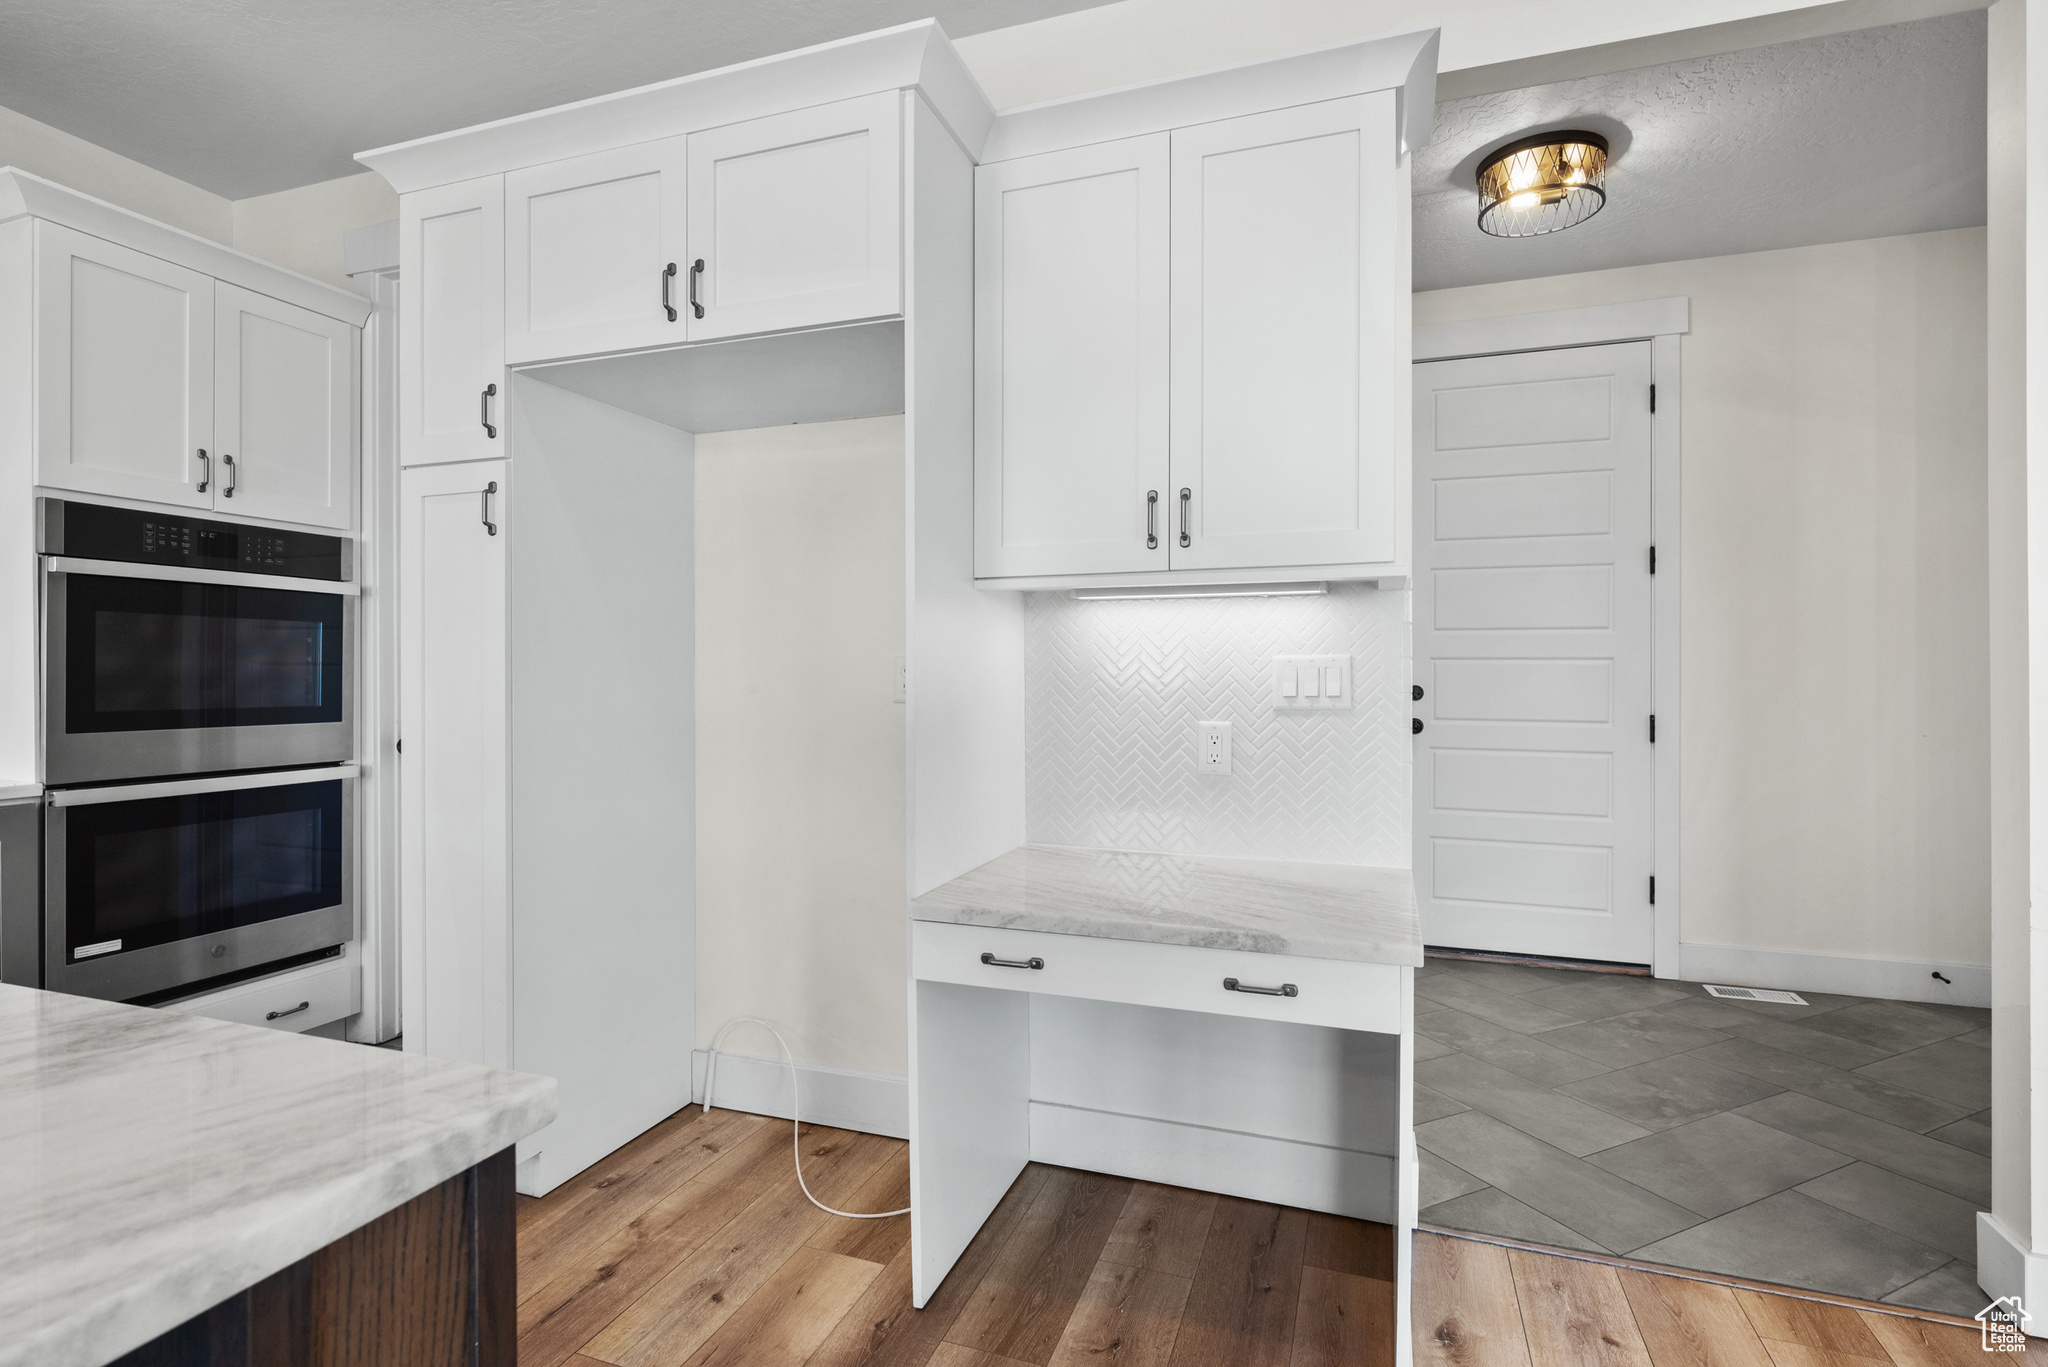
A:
(1840, 1146)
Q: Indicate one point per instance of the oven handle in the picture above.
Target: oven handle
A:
(118, 569)
(186, 787)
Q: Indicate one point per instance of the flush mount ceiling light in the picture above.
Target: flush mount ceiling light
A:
(1543, 184)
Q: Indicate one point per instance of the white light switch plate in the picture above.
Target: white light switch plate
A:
(1311, 683)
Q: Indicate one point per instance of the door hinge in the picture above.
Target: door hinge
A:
(1653, 728)
(1653, 889)
(1653, 398)
(1653, 560)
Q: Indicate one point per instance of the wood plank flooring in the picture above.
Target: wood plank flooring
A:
(1484, 1305)
(693, 1247)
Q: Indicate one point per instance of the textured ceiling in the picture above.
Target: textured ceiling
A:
(1865, 134)
(243, 97)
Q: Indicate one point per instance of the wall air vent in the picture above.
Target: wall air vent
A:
(1754, 994)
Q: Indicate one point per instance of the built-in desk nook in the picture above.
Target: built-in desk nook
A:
(1242, 1026)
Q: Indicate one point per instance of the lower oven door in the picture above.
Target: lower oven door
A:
(150, 670)
(149, 887)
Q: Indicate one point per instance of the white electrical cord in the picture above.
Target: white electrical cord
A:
(795, 1122)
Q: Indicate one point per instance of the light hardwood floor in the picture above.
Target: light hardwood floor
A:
(693, 1247)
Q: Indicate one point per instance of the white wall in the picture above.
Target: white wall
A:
(800, 778)
(302, 229)
(1836, 752)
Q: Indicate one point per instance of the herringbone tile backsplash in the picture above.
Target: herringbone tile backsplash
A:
(1114, 689)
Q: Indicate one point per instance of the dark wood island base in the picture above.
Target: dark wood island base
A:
(431, 1284)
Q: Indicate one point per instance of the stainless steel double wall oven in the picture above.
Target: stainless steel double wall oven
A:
(197, 702)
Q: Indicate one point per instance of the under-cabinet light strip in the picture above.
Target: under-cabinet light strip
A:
(1204, 591)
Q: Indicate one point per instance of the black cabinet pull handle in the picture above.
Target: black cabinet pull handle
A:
(205, 469)
(696, 275)
(1185, 496)
(1283, 990)
(229, 461)
(1151, 519)
(668, 275)
(490, 391)
(993, 962)
(489, 525)
(280, 1015)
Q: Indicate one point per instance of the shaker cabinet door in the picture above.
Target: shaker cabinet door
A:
(1071, 362)
(1290, 392)
(284, 410)
(124, 374)
(451, 350)
(454, 522)
(797, 219)
(590, 244)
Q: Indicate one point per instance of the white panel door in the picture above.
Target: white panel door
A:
(124, 384)
(453, 847)
(797, 218)
(1534, 819)
(589, 246)
(284, 410)
(451, 350)
(1289, 333)
(1070, 361)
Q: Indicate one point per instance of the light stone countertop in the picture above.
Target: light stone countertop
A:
(153, 1164)
(11, 788)
(1261, 906)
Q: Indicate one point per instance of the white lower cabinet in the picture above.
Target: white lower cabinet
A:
(454, 525)
(284, 410)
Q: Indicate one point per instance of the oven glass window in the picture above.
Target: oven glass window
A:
(170, 868)
(160, 655)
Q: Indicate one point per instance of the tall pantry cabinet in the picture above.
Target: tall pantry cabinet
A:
(571, 279)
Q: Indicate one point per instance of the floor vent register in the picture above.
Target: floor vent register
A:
(1754, 994)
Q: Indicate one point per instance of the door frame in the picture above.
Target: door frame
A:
(1661, 323)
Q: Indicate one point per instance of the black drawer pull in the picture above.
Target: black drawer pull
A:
(280, 1015)
(993, 962)
(1283, 990)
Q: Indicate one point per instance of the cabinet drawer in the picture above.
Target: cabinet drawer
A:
(329, 992)
(1335, 992)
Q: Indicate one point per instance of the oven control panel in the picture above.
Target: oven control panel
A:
(93, 532)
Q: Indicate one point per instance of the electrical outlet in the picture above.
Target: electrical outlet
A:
(1212, 747)
(1312, 683)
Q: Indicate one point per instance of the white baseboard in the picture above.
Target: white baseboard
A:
(2007, 1268)
(844, 1098)
(1841, 974)
(1283, 1171)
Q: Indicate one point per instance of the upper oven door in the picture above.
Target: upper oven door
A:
(153, 670)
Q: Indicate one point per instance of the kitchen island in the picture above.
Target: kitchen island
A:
(1241, 1026)
(225, 1193)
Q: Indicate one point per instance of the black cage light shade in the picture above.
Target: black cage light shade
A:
(1543, 184)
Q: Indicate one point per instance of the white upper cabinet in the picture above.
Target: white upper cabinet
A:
(595, 255)
(1288, 375)
(452, 329)
(796, 219)
(124, 372)
(1071, 361)
(284, 410)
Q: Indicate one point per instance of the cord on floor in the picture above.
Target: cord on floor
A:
(795, 1122)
